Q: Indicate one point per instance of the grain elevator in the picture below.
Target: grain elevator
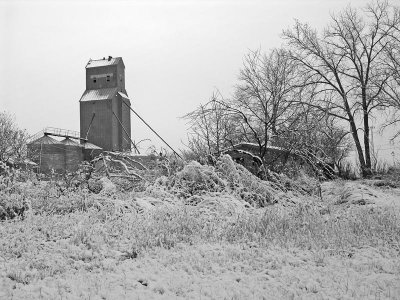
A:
(105, 118)
(105, 122)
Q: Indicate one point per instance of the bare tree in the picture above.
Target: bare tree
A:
(392, 88)
(211, 127)
(262, 109)
(262, 99)
(344, 64)
(12, 139)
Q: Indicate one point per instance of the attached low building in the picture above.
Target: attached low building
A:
(60, 157)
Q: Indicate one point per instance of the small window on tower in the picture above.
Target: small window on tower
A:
(94, 80)
(108, 77)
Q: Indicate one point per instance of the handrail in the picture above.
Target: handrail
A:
(57, 132)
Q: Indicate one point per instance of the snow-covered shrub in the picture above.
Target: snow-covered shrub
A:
(94, 186)
(109, 187)
(226, 177)
(196, 179)
(12, 206)
(244, 184)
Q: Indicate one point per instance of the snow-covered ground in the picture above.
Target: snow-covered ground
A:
(224, 271)
(344, 245)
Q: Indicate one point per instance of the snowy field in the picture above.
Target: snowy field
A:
(157, 244)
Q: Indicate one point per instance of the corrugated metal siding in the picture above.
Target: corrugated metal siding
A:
(116, 127)
(52, 162)
(101, 97)
(100, 94)
(126, 122)
(121, 75)
(103, 62)
(100, 74)
(49, 157)
(73, 155)
(100, 131)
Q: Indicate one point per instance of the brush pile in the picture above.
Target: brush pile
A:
(116, 186)
(196, 183)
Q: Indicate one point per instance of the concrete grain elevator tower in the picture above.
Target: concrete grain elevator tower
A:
(105, 117)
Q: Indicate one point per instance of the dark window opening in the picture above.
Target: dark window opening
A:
(94, 80)
(108, 77)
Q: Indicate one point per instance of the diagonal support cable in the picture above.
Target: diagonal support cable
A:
(120, 123)
(176, 153)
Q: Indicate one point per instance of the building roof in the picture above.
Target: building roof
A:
(252, 147)
(106, 61)
(124, 95)
(69, 142)
(90, 146)
(45, 140)
(100, 94)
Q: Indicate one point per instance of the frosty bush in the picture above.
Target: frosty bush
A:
(94, 186)
(226, 177)
(242, 183)
(12, 206)
(196, 179)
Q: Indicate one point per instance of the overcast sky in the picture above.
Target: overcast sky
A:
(175, 53)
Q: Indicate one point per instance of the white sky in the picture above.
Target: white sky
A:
(175, 53)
